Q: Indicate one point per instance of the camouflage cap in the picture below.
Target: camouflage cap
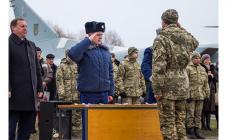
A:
(131, 50)
(194, 55)
(170, 16)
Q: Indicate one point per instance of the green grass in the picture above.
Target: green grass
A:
(213, 133)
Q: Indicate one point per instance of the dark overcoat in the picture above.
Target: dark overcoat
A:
(209, 104)
(24, 75)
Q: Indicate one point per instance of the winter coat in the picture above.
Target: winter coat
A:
(52, 85)
(146, 68)
(209, 105)
(171, 55)
(95, 67)
(25, 79)
(65, 80)
(130, 78)
(47, 74)
(198, 82)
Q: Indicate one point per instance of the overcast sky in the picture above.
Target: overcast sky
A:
(134, 20)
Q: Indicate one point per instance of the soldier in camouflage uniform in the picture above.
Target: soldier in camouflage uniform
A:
(171, 54)
(199, 90)
(66, 85)
(115, 71)
(130, 79)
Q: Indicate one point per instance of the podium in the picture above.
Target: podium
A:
(49, 119)
(119, 122)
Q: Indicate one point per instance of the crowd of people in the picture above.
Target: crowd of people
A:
(172, 74)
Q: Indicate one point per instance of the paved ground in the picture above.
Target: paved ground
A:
(210, 135)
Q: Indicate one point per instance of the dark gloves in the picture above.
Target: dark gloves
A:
(189, 100)
(123, 94)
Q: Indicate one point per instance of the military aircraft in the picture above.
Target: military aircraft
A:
(211, 49)
(48, 40)
(40, 32)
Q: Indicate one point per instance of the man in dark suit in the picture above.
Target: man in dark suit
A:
(25, 83)
(52, 84)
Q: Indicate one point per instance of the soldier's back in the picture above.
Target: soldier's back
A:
(175, 45)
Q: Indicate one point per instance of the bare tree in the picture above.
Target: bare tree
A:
(112, 38)
(81, 35)
(71, 36)
(61, 32)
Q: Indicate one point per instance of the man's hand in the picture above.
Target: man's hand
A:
(44, 85)
(150, 78)
(110, 98)
(92, 36)
(40, 94)
(210, 74)
(9, 94)
(158, 97)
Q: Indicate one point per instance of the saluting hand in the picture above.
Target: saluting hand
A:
(9, 94)
(92, 36)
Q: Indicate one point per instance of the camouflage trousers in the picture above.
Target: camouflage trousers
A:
(194, 112)
(76, 124)
(172, 119)
(131, 100)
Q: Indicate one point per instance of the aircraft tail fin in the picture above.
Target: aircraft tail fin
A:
(37, 28)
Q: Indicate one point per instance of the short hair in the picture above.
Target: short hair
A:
(13, 23)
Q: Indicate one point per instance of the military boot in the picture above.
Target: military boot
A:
(203, 121)
(208, 122)
(197, 133)
(188, 131)
(191, 133)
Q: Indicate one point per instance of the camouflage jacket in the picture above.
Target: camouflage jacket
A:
(115, 71)
(198, 82)
(130, 79)
(66, 80)
(171, 54)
